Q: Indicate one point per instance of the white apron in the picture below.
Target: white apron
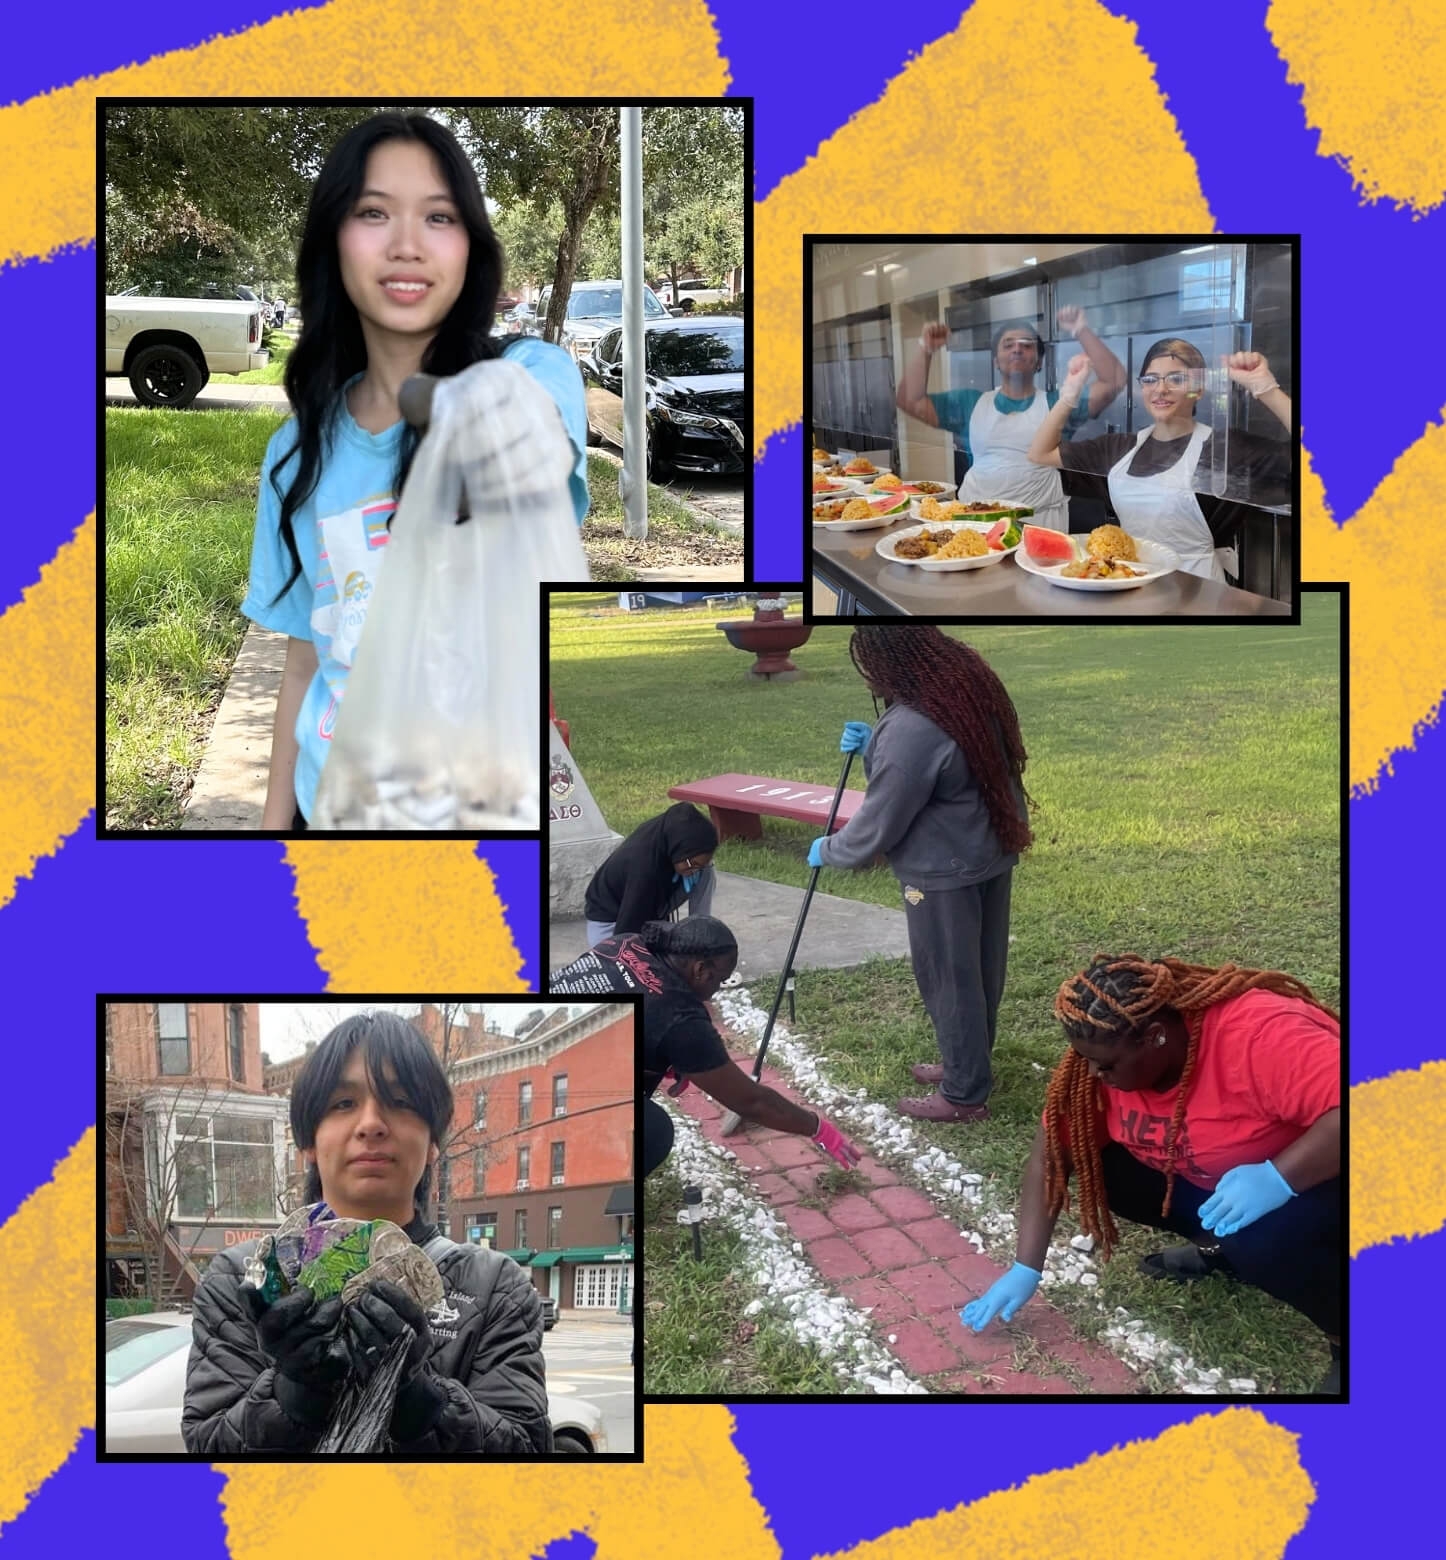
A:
(1002, 470)
(1163, 508)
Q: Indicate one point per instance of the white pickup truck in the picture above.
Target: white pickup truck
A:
(169, 347)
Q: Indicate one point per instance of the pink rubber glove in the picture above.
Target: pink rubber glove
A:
(835, 1144)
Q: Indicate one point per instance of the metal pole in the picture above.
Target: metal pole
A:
(632, 480)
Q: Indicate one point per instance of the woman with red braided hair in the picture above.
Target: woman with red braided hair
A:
(946, 806)
(1199, 1100)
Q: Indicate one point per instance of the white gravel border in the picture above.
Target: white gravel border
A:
(893, 1140)
(787, 1286)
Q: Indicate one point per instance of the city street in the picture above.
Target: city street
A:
(589, 1359)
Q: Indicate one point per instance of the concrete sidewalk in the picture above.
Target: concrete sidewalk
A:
(230, 788)
(839, 934)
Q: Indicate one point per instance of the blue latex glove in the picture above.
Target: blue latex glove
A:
(855, 736)
(815, 851)
(1003, 1297)
(1243, 1195)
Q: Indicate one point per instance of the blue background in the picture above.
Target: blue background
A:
(1372, 1463)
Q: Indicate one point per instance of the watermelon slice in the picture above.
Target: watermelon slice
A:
(893, 504)
(1002, 535)
(1046, 546)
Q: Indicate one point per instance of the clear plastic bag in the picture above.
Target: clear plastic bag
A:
(438, 729)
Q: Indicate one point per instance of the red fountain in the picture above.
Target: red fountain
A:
(770, 636)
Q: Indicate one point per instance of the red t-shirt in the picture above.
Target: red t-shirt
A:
(1268, 1067)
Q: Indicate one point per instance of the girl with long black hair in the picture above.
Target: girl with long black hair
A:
(398, 272)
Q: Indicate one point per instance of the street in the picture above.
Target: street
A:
(589, 1359)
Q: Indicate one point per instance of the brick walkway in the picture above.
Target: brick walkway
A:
(891, 1250)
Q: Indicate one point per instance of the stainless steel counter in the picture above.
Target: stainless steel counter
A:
(846, 561)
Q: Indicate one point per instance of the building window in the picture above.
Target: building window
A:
(554, 1229)
(479, 1169)
(225, 1167)
(480, 1120)
(236, 1018)
(486, 1226)
(558, 1151)
(524, 1104)
(559, 1095)
(520, 1230)
(524, 1161)
(175, 1039)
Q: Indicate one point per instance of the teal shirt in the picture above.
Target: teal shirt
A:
(954, 408)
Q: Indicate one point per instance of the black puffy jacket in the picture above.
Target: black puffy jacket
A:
(486, 1358)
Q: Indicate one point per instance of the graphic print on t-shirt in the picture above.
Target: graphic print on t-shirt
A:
(1144, 1135)
(352, 546)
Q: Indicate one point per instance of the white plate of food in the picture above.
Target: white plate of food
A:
(956, 546)
(862, 468)
(827, 485)
(1107, 559)
(882, 510)
(945, 509)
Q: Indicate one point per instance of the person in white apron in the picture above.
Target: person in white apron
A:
(998, 428)
(1153, 492)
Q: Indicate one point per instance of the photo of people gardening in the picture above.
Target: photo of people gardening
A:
(336, 334)
(991, 985)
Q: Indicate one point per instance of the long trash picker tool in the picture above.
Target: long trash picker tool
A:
(732, 1121)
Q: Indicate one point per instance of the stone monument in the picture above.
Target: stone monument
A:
(579, 840)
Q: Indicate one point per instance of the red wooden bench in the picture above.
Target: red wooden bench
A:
(737, 804)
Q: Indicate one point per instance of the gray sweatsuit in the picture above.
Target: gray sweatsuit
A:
(924, 812)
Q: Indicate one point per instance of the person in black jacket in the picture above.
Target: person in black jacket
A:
(369, 1111)
(661, 864)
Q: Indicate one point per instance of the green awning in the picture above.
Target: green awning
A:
(524, 1256)
(545, 1259)
(596, 1254)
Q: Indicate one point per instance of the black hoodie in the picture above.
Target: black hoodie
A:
(635, 884)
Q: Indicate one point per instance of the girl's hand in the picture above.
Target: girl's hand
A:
(1071, 319)
(1251, 370)
(934, 337)
(1074, 379)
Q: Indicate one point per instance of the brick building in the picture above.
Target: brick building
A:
(546, 1171)
(195, 1151)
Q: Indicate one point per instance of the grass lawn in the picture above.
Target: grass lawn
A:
(1186, 783)
(675, 536)
(180, 506)
(696, 1337)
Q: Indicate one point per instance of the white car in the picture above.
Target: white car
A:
(592, 309)
(169, 347)
(145, 1386)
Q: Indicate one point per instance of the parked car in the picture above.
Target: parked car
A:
(592, 309)
(549, 1312)
(697, 406)
(169, 347)
(145, 1387)
(691, 294)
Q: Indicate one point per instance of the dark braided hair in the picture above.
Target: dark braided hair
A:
(699, 937)
(1108, 1003)
(943, 678)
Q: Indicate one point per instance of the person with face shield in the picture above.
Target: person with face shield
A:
(996, 429)
(1160, 478)
(663, 864)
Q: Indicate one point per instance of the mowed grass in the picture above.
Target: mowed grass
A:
(696, 1338)
(180, 507)
(1187, 790)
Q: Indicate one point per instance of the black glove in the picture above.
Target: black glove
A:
(303, 1341)
(384, 1312)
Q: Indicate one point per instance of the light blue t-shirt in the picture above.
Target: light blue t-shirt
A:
(954, 408)
(341, 534)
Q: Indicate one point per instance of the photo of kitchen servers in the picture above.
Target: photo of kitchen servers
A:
(1063, 427)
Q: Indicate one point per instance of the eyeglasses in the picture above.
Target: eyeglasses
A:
(1175, 381)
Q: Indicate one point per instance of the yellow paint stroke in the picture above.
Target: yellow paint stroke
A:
(981, 133)
(1234, 1478)
(402, 916)
(356, 48)
(1374, 74)
(47, 695)
(1398, 1156)
(47, 1301)
(1390, 551)
(691, 1493)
